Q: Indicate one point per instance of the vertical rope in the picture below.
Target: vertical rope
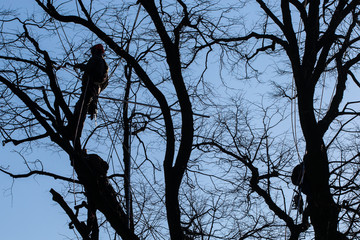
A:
(127, 128)
(294, 125)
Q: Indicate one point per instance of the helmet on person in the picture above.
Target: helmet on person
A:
(98, 48)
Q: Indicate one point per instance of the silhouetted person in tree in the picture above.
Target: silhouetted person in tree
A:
(94, 80)
(298, 179)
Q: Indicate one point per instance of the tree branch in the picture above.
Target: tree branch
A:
(80, 226)
(29, 139)
(37, 110)
(43, 173)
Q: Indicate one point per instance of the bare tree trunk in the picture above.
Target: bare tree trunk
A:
(322, 208)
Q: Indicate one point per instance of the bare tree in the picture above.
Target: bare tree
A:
(36, 77)
(234, 180)
(319, 40)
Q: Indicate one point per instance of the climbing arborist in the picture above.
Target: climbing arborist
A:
(94, 80)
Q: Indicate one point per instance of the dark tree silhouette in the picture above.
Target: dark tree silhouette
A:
(319, 39)
(224, 177)
(52, 113)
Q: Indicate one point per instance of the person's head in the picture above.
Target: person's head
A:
(97, 49)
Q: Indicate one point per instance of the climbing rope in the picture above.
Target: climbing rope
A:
(296, 196)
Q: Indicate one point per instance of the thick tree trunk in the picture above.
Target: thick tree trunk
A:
(173, 208)
(322, 208)
(98, 190)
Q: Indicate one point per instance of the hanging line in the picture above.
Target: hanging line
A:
(322, 96)
(116, 100)
(127, 147)
(294, 131)
(128, 125)
(63, 45)
(76, 133)
(81, 109)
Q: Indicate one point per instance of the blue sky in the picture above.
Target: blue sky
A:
(26, 204)
(26, 208)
